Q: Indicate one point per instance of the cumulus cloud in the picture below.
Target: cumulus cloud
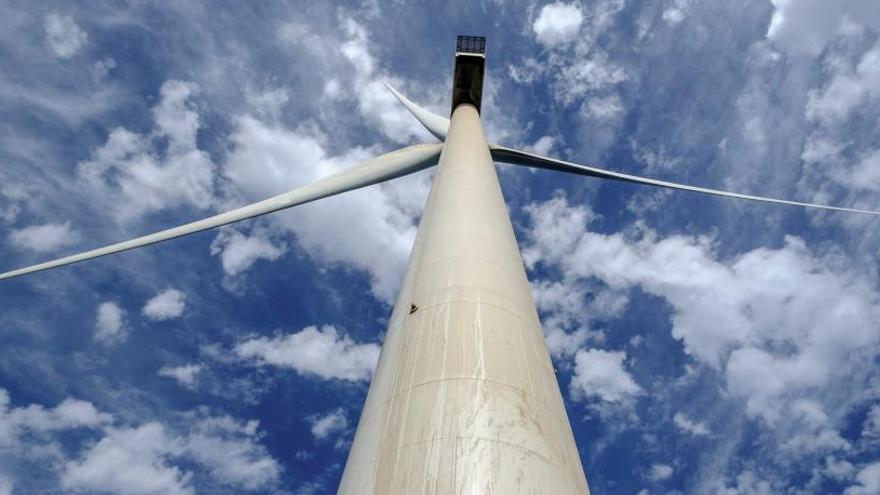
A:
(568, 310)
(601, 374)
(587, 75)
(186, 375)
(603, 109)
(239, 252)
(847, 89)
(322, 352)
(141, 174)
(543, 146)
(32, 432)
(131, 461)
(871, 427)
(63, 35)
(660, 472)
(760, 318)
(165, 305)
(69, 414)
(102, 68)
(44, 238)
(676, 12)
(110, 324)
(748, 483)
(806, 26)
(580, 72)
(11, 198)
(331, 423)
(868, 481)
(140, 460)
(558, 23)
(230, 452)
(731, 315)
(687, 425)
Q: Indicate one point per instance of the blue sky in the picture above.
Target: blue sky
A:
(704, 345)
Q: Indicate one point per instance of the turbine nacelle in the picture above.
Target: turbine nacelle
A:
(470, 63)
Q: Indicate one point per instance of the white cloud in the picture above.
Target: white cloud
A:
(239, 252)
(543, 146)
(761, 318)
(748, 484)
(268, 103)
(872, 423)
(603, 109)
(331, 423)
(743, 300)
(186, 375)
(660, 472)
(138, 178)
(11, 198)
(601, 374)
(868, 480)
(165, 305)
(805, 27)
(558, 23)
(32, 432)
(129, 461)
(582, 74)
(228, 449)
(556, 230)
(69, 414)
(527, 73)
(585, 76)
(566, 314)
(102, 68)
(44, 238)
(676, 12)
(147, 459)
(312, 351)
(838, 469)
(685, 424)
(63, 35)
(848, 88)
(110, 324)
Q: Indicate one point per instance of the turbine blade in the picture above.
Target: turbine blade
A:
(517, 157)
(435, 124)
(380, 169)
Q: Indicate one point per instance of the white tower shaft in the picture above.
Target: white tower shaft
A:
(465, 399)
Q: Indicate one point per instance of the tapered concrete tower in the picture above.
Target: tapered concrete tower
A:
(465, 399)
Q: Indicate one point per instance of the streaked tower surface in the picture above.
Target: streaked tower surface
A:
(464, 399)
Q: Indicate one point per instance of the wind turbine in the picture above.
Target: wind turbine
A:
(464, 398)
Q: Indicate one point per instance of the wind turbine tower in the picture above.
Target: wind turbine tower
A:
(464, 399)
